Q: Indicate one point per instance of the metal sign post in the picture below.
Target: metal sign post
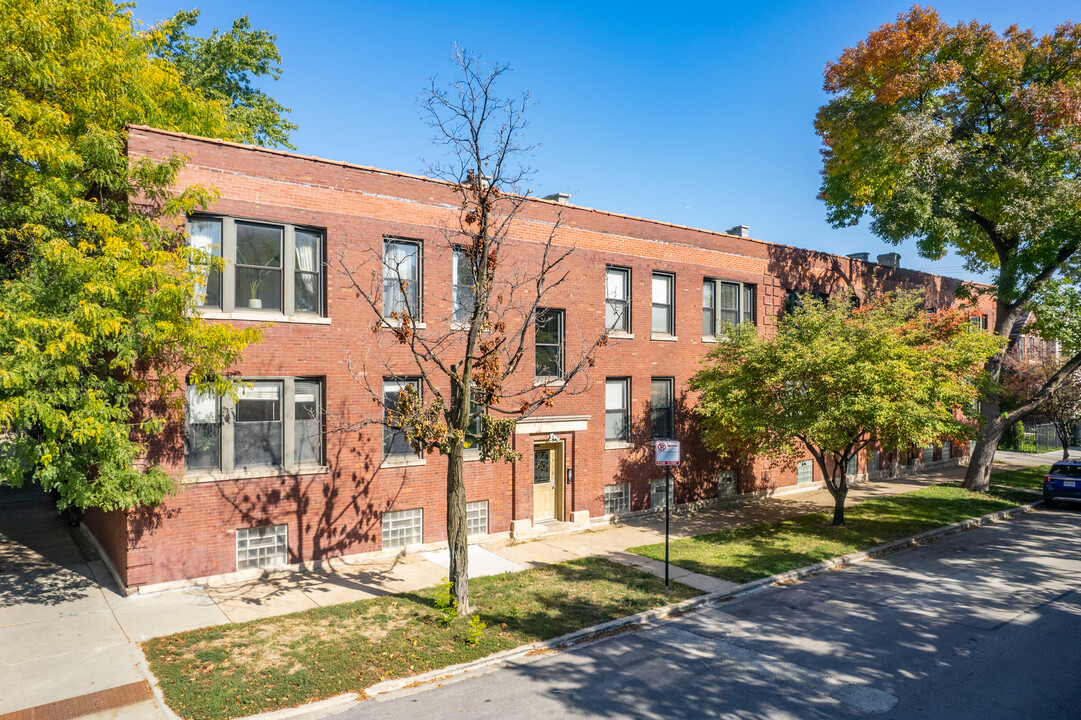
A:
(667, 454)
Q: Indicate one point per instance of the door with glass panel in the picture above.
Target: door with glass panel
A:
(548, 481)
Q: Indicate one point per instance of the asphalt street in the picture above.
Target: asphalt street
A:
(984, 624)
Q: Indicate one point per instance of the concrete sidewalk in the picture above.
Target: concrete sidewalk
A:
(67, 631)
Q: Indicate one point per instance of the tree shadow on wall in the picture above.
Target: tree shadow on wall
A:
(696, 477)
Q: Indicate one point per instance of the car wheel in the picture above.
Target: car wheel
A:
(1049, 502)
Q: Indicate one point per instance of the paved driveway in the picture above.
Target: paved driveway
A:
(984, 624)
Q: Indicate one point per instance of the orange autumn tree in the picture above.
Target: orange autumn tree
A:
(964, 140)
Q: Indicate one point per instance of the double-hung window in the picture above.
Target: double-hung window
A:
(394, 440)
(725, 302)
(269, 268)
(661, 402)
(664, 305)
(273, 423)
(549, 344)
(617, 299)
(464, 287)
(617, 416)
(401, 279)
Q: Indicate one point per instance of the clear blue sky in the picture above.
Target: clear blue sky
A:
(699, 114)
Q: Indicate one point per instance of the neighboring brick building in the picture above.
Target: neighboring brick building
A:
(289, 474)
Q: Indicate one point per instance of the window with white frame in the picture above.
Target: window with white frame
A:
(401, 279)
(657, 493)
(725, 302)
(463, 286)
(272, 423)
(617, 299)
(262, 547)
(617, 498)
(664, 304)
(928, 454)
(805, 471)
(273, 268)
(617, 410)
(661, 408)
(403, 527)
(476, 518)
(549, 344)
(394, 440)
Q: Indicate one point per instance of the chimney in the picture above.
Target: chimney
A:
(561, 198)
(866, 257)
(890, 260)
(739, 231)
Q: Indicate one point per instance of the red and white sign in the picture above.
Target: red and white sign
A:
(667, 452)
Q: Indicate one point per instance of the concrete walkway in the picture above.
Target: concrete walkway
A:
(66, 631)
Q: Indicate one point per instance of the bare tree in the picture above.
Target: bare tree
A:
(1025, 378)
(474, 366)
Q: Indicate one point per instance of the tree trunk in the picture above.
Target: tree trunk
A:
(978, 475)
(839, 507)
(1062, 429)
(457, 538)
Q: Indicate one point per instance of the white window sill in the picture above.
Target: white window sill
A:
(546, 381)
(398, 324)
(262, 316)
(397, 461)
(709, 338)
(471, 455)
(455, 325)
(663, 336)
(617, 445)
(249, 473)
(620, 335)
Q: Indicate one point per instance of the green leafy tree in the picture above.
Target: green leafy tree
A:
(966, 140)
(834, 379)
(488, 350)
(97, 323)
(222, 67)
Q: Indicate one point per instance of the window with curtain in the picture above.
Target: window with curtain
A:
(307, 272)
(205, 234)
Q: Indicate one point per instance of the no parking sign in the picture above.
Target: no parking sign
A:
(667, 452)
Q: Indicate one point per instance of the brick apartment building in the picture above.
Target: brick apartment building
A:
(298, 470)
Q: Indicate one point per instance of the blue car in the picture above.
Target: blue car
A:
(1062, 482)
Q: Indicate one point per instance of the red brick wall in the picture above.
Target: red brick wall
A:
(193, 534)
(110, 530)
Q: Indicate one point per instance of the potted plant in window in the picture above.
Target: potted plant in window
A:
(254, 276)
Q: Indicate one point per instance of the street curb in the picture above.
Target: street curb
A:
(637, 621)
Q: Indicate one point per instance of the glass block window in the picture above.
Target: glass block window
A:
(617, 408)
(874, 461)
(947, 450)
(617, 498)
(617, 299)
(262, 547)
(403, 527)
(656, 493)
(805, 471)
(258, 432)
(928, 454)
(853, 466)
(476, 518)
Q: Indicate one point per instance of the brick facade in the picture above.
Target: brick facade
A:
(337, 512)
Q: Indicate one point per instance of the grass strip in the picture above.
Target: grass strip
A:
(750, 553)
(232, 670)
(1031, 478)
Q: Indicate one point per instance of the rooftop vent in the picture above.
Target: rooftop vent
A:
(739, 231)
(866, 257)
(561, 198)
(890, 260)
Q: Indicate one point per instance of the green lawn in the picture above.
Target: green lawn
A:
(750, 553)
(1031, 478)
(246, 668)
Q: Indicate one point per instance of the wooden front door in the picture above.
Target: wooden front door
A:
(548, 481)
